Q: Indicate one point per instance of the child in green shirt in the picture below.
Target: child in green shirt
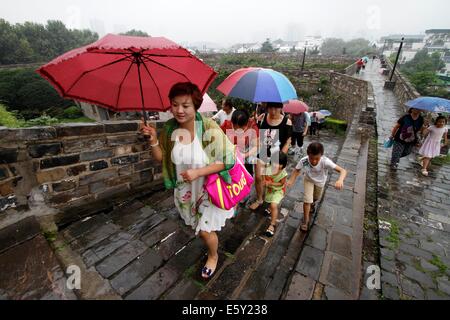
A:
(275, 184)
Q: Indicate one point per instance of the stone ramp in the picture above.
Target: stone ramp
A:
(29, 268)
(143, 250)
(413, 212)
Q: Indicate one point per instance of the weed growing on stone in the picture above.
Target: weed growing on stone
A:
(438, 263)
(440, 161)
(229, 255)
(393, 237)
(50, 236)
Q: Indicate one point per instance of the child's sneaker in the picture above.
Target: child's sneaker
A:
(424, 172)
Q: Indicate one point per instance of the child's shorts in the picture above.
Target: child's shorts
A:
(312, 192)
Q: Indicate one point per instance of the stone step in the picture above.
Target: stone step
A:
(264, 275)
(231, 238)
(237, 268)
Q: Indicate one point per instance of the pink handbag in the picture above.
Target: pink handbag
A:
(224, 195)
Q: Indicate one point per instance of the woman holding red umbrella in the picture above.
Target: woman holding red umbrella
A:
(181, 149)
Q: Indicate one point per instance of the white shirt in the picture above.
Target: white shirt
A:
(222, 116)
(317, 174)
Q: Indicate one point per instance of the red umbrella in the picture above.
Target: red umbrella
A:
(295, 107)
(126, 73)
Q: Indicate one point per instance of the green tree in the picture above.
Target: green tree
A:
(332, 46)
(358, 47)
(136, 33)
(267, 46)
(13, 48)
(28, 93)
(422, 61)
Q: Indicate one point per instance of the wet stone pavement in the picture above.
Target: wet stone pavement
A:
(29, 267)
(143, 250)
(413, 212)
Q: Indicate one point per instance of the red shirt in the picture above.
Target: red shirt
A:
(227, 127)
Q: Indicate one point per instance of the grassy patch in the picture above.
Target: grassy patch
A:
(200, 285)
(189, 272)
(50, 236)
(8, 119)
(393, 237)
(438, 263)
(339, 127)
(76, 120)
(440, 161)
(229, 255)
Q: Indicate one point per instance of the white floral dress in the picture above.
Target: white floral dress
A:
(191, 199)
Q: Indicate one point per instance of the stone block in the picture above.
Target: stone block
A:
(97, 176)
(114, 127)
(98, 165)
(34, 134)
(40, 150)
(412, 289)
(77, 129)
(50, 175)
(310, 262)
(120, 140)
(18, 232)
(144, 165)
(118, 161)
(76, 170)
(97, 187)
(341, 244)
(120, 258)
(317, 238)
(82, 144)
(8, 202)
(98, 154)
(126, 170)
(301, 288)
(122, 150)
(136, 272)
(59, 161)
(336, 294)
(112, 192)
(6, 189)
(338, 272)
(3, 173)
(68, 196)
(64, 185)
(8, 155)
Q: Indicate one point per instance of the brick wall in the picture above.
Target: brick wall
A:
(349, 92)
(403, 89)
(73, 164)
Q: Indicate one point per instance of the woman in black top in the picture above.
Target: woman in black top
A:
(404, 134)
(275, 133)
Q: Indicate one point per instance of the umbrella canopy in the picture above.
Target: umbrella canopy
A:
(295, 107)
(258, 85)
(208, 105)
(326, 113)
(319, 115)
(430, 104)
(126, 73)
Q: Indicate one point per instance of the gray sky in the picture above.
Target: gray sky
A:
(234, 21)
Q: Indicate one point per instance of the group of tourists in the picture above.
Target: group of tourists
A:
(406, 133)
(192, 147)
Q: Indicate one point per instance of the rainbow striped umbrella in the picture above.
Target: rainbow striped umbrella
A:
(258, 85)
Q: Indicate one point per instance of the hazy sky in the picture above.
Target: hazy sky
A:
(234, 21)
